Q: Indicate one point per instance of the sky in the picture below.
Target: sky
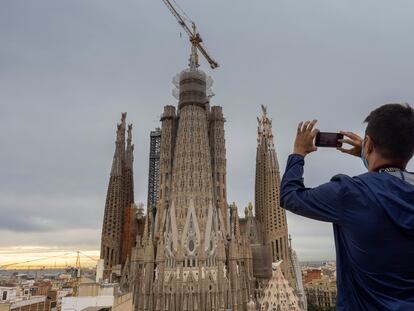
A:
(69, 68)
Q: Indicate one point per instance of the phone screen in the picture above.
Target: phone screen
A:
(324, 139)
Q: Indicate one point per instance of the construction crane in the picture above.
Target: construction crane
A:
(195, 39)
(77, 275)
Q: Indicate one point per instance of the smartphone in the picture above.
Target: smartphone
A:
(324, 139)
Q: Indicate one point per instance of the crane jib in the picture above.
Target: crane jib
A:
(194, 36)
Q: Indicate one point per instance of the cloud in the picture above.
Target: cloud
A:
(312, 240)
(48, 213)
(73, 239)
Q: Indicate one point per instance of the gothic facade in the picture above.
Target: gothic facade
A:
(191, 250)
(192, 255)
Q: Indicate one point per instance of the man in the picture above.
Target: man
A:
(372, 214)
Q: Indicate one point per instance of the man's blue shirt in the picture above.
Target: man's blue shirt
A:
(373, 223)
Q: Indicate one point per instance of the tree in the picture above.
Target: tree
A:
(316, 308)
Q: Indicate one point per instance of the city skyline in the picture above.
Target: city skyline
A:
(78, 76)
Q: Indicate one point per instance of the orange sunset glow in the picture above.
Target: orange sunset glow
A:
(43, 257)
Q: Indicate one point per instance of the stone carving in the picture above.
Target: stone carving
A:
(191, 253)
(278, 293)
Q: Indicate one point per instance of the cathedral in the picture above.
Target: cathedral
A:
(191, 250)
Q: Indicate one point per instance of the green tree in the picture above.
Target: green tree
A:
(316, 308)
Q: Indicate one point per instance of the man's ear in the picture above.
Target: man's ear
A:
(369, 145)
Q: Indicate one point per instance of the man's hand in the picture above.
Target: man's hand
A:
(305, 136)
(354, 140)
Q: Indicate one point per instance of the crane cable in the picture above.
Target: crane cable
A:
(33, 260)
(44, 258)
(185, 16)
(94, 259)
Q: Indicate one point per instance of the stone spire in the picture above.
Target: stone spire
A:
(218, 160)
(118, 158)
(119, 217)
(267, 191)
(300, 291)
(278, 293)
(234, 257)
(129, 158)
(192, 173)
(129, 223)
(192, 270)
(129, 166)
(148, 291)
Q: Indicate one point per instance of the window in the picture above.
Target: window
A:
(4, 295)
(191, 245)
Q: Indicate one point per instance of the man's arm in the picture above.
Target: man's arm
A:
(320, 203)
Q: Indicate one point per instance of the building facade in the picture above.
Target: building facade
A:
(321, 292)
(192, 255)
(38, 303)
(191, 250)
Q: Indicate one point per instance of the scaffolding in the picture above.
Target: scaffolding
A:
(154, 169)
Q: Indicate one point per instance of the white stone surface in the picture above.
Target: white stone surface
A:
(80, 303)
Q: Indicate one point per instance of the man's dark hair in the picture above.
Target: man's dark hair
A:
(391, 127)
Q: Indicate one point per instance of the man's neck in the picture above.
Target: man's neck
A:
(381, 163)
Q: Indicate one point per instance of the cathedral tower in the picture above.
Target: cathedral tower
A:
(117, 236)
(267, 191)
(197, 263)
